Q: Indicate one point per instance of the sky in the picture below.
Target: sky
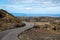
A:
(31, 6)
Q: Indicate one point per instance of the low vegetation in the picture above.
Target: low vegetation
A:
(38, 34)
(49, 23)
(8, 21)
(46, 28)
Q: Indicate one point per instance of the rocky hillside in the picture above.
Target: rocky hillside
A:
(8, 21)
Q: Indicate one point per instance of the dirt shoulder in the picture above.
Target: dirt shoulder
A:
(38, 34)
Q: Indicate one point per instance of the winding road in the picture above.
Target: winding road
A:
(13, 33)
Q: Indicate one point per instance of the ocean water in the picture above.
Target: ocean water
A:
(24, 14)
(19, 14)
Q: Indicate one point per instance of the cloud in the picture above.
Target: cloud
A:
(20, 9)
(30, 6)
(0, 7)
(34, 2)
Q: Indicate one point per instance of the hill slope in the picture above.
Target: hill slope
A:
(8, 21)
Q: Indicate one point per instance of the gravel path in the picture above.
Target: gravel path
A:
(13, 33)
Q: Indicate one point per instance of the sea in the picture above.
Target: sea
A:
(36, 15)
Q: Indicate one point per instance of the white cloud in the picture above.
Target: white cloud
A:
(32, 6)
(0, 7)
(35, 2)
(20, 9)
(28, 8)
(28, 1)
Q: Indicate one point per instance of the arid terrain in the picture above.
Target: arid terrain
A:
(8, 21)
(38, 34)
(45, 28)
(38, 28)
(48, 23)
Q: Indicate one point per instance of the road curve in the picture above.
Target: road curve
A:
(13, 33)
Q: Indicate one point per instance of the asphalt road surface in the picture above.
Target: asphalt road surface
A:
(13, 33)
